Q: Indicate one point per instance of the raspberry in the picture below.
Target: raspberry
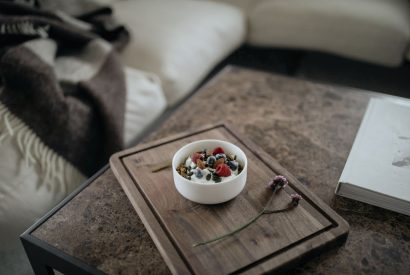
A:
(195, 157)
(223, 170)
(218, 150)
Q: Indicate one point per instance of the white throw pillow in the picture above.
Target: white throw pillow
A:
(145, 103)
(179, 40)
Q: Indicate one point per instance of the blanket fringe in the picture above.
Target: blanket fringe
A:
(24, 28)
(55, 171)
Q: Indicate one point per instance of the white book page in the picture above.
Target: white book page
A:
(380, 157)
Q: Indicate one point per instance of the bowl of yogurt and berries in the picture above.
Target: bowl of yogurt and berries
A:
(209, 171)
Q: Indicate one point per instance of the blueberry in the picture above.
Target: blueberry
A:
(208, 177)
(233, 165)
(216, 178)
(198, 173)
(211, 161)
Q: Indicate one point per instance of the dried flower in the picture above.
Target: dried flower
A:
(278, 182)
(275, 184)
(295, 199)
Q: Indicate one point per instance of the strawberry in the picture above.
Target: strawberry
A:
(223, 170)
(218, 150)
(195, 157)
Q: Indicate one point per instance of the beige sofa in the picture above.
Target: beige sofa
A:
(182, 40)
(376, 31)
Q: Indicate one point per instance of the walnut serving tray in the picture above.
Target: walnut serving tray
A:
(175, 223)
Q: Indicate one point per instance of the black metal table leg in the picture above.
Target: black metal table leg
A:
(34, 256)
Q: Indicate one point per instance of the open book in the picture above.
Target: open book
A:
(377, 170)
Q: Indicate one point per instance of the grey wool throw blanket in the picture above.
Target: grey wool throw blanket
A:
(60, 74)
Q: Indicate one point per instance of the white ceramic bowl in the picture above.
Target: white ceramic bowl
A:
(215, 192)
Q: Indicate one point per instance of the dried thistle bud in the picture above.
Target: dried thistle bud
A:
(278, 182)
(295, 199)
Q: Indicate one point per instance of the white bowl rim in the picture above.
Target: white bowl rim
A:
(245, 166)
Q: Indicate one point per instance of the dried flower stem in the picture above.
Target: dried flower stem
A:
(264, 211)
(232, 232)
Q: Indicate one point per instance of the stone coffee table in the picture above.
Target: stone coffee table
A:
(309, 128)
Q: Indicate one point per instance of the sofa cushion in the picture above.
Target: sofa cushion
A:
(376, 31)
(145, 103)
(179, 40)
(33, 178)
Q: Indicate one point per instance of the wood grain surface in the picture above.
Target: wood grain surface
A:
(175, 223)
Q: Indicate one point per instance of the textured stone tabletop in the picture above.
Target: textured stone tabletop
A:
(309, 128)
